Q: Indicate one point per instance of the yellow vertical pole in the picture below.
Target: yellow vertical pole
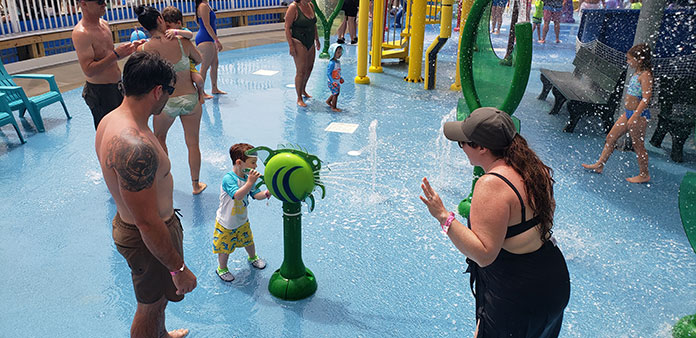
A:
(466, 8)
(377, 33)
(415, 52)
(363, 13)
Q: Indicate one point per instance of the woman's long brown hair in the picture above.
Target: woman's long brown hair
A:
(537, 178)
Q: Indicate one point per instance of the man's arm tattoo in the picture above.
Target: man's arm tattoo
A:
(134, 159)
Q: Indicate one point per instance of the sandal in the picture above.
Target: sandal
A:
(225, 274)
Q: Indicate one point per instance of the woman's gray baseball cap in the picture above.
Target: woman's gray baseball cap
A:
(487, 126)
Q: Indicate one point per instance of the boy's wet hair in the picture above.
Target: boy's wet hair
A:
(144, 71)
(238, 152)
(172, 14)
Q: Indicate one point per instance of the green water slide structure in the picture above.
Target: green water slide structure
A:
(686, 326)
(487, 80)
(326, 24)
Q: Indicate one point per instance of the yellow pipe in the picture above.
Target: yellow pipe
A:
(377, 32)
(363, 13)
(445, 33)
(466, 8)
(415, 55)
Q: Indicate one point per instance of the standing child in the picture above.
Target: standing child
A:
(635, 120)
(537, 17)
(333, 71)
(232, 228)
(174, 20)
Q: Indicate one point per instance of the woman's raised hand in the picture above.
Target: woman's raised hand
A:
(433, 202)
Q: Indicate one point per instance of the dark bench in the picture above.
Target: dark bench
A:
(594, 87)
(679, 124)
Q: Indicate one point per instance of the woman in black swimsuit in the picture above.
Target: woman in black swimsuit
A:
(301, 33)
(518, 275)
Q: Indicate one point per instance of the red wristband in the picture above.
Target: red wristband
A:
(181, 269)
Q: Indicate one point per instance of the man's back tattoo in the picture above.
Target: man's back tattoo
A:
(134, 158)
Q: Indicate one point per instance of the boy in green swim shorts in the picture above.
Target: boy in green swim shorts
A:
(232, 228)
(174, 19)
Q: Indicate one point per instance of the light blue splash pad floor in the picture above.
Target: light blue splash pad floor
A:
(382, 264)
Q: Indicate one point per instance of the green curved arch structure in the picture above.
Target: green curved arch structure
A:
(483, 77)
(686, 326)
(487, 80)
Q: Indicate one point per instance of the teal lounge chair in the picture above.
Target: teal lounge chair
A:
(18, 100)
(6, 116)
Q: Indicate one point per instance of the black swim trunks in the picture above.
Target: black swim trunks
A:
(350, 8)
(151, 279)
(102, 99)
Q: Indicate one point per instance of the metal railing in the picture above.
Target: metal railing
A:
(20, 17)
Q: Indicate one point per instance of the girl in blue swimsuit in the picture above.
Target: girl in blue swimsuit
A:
(636, 116)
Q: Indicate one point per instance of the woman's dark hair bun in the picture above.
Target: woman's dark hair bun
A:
(139, 10)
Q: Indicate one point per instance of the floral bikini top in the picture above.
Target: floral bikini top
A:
(634, 88)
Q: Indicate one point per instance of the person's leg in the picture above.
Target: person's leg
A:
(222, 260)
(208, 51)
(616, 131)
(637, 131)
(251, 250)
(547, 21)
(300, 59)
(352, 28)
(214, 75)
(335, 103)
(198, 80)
(192, 124)
(149, 321)
(329, 100)
(309, 65)
(160, 125)
(557, 27)
(342, 30)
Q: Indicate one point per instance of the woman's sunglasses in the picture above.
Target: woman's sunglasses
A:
(99, 2)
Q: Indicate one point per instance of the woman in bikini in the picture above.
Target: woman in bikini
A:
(183, 101)
(301, 33)
(636, 116)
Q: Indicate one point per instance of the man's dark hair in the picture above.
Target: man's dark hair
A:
(144, 71)
(172, 14)
(147, 16)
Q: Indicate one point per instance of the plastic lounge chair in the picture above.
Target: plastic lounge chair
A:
(18, 100)
(6, 116)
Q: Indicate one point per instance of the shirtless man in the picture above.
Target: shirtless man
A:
(146, 230)
(96, 54)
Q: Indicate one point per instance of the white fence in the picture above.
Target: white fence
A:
(20, 17)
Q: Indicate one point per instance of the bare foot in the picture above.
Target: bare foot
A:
(558, 41)
(639, 179)
(207, 97)
(542, 41)
(198, 187)
(597, 167)
(338, 110)
(180, 333)
(301, 103)
(306, 95)
(218, 91)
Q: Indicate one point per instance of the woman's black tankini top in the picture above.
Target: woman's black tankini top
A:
(521, 295)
